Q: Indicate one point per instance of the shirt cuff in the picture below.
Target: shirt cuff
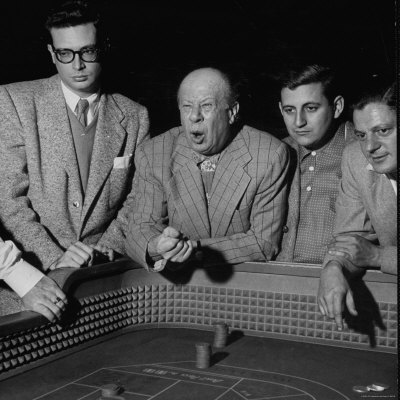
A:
(23, 277)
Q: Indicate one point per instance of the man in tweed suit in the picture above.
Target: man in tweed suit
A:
(311, 105)
(205, 188)
(365, 234)
(66, 150)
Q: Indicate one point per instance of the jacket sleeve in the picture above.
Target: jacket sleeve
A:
(352, 218)
(115, 235)
(16, 213)
(148, 210)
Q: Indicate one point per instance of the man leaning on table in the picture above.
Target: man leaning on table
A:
(365, 233)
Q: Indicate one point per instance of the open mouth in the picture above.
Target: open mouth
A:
(197, 136)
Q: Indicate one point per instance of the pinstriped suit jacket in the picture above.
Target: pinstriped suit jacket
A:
(41, 202)
(366, 206)
(247, 205)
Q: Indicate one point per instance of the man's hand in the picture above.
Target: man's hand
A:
(333, 291)
(77, 255)
(171, 246)
(360, 251)
(46, 298)
(101, 254)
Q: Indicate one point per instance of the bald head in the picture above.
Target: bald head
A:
(209, 78)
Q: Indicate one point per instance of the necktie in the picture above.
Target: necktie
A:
(81, 109)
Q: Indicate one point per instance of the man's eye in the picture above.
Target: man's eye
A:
(64, 53)
(207, 107)
(383, 132)
(288, 110)
(311, 108)
(360, 135)
(89, 51)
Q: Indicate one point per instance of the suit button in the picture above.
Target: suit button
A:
(285, 229)
(75, 204)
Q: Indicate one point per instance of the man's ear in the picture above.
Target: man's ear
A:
(233, 112)
(338, 105)
(280, 107)
(53, 56)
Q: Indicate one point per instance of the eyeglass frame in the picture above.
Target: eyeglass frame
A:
(74, 52)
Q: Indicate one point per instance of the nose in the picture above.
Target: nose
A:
(371, 143)
(299, 119)
(77, 63)
(195, 114)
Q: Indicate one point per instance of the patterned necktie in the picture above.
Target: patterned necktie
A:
(80, 110)
(209, 164)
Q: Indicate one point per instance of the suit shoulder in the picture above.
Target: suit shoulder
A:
(353, 155)
(256, 139)
(24, 87)
(127, 104)
(162, 144)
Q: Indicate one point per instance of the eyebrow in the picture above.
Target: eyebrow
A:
(310, 103)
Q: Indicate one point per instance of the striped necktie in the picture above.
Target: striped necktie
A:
(81, 109)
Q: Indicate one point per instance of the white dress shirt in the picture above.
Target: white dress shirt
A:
(72, 100)
(16, 272)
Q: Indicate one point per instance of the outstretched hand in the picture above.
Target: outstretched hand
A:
(46, 298)
(333, 293)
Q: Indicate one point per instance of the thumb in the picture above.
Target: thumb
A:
(171, 232)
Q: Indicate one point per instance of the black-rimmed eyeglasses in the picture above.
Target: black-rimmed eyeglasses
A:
(87, 54)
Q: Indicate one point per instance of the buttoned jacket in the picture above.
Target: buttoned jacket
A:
(42, 206)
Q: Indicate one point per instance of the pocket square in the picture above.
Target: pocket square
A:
(122, 162)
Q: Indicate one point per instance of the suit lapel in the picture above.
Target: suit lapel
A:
(229, 185)
(109, 138)
(186, 187)
(52, 109)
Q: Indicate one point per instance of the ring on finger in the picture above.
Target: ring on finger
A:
(57, 300)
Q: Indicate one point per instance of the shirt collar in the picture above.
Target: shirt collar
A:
(303, 152)
(199, 158)
(72, 98)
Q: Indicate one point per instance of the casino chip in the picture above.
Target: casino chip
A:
(378, 387)
(220, 335)
(361, 389)
(110, 390)
(203, 355)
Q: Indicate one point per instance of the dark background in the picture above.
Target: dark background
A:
(155, 43)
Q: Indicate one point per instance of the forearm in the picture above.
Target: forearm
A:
(235, 249)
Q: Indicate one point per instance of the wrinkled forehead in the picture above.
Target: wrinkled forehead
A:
(197, 88)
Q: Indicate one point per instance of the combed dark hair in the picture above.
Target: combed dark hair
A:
(375, 89)
(295, 76)
(76, 12)
(72, 13)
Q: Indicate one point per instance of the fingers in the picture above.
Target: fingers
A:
(46, 312)
(184, 253)
(350, 303)
(337, 310)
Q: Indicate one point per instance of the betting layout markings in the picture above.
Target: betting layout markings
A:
(191, 372)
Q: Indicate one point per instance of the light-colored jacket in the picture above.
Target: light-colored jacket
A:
(41, 201)
(244, 219)
(366, 206)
